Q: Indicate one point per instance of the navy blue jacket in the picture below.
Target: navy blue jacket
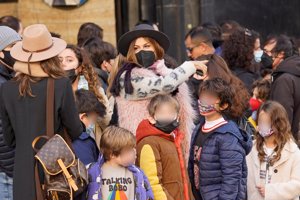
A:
(85, 149)
(223, 169)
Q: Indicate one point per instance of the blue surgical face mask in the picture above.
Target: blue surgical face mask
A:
(257, 55)
(91, 130)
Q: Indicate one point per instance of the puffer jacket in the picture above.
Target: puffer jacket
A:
(223, 168)
(142, 189)
(7, 154)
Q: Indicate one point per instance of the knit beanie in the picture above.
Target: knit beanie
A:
(8, 36)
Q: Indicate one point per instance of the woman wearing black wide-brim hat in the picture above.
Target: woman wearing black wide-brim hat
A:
(144, 75)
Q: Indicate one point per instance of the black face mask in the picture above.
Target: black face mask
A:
(72, 75)
(8, 60)
(167, 126)
(145, 58)
(266, 61)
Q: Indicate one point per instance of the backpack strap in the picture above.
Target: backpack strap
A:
(50, 108)
(40, 195)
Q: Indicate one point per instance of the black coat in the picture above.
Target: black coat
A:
(246, 76)
(24, 118)
(285, 90)
(6, 153)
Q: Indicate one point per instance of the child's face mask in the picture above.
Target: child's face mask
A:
(206, 108)
(166, 118)
(254, 104)
(167, 126)
(265, 130)
(89, 121)
(264, 126)
(90, 129)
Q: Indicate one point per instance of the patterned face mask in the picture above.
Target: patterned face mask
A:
(206, 108)
(265, 130)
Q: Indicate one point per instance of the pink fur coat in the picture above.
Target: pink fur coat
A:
(133, 110)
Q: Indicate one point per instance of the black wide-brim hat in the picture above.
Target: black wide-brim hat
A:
(142, 30)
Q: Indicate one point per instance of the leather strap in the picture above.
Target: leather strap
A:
(40, 195)
(50, 108)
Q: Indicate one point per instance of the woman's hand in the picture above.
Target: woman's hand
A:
(201, 73)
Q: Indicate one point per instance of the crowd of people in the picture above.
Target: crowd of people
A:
(222, 125)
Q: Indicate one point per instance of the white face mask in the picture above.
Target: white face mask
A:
(257, 55)
(265, 130)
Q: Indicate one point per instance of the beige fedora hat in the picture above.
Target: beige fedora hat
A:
(37, 45)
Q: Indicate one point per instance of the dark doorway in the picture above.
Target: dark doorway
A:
(267, 16)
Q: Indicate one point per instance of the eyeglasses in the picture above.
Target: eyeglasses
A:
(190, 49)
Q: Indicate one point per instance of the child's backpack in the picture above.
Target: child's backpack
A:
(246, 127)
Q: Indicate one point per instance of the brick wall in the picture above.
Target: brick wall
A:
(65, 21)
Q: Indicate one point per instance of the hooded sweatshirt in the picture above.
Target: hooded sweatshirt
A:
(285, 90)
(160, 156)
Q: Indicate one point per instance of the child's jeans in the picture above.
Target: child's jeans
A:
(6, 187)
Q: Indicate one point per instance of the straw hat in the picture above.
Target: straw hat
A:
(142, 30)
(37, 45)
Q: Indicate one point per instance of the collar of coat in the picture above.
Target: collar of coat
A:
(289, 147)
